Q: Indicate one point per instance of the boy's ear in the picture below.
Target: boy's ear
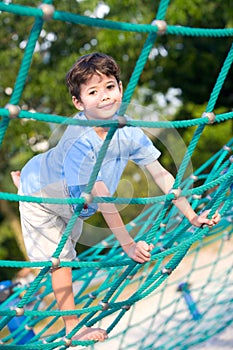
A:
(78, 104)
(121, 88)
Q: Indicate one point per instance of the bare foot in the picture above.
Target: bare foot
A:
(88, 333)
(15, 175)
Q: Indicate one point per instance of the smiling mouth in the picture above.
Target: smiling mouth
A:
(107, 106)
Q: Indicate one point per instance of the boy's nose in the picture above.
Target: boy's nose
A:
(104, 96)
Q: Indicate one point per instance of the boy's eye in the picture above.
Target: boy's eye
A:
(92, 92)
(110, 86)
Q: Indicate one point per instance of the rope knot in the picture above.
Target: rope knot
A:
(166, 270)
(87, 197)
(68, 342)
(210, 115)
(14, 110)
(19, 311)
(226, 148)
(104, 305)
(55, 262)
(126, 307)
(175, 191)
(161, 25)
(122, 121)
(48, 11)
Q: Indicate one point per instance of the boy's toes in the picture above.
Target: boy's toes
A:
(89, 333)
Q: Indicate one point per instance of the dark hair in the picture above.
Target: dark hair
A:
(88, 65)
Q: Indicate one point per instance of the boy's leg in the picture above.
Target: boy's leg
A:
(62, 287)
(42, 231)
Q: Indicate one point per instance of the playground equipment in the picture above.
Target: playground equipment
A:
(157, 305)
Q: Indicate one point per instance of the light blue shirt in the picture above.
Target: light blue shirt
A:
(69, 164)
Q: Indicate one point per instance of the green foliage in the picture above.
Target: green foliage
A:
(202, 13)
(8, 249)
(213, 138)
(20, 139)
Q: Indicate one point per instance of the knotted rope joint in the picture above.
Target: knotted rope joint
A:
(55, 262)
(19, 311)
(87, 197)
(166, 270)
(104, 305)
(122, 121)
(175, 191)
(162, 26)
(210, 115)
(48, 11)
(14, 110)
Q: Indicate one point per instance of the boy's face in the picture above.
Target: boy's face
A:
(100, 97)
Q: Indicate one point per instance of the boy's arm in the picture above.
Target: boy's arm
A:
(137, 251)
(165, 181)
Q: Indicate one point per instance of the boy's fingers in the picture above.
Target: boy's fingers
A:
(146, 246)
(143, 255)
(216, 217)
(141, 252)
(210, 222)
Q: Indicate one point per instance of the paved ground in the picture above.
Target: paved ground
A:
(223, 341)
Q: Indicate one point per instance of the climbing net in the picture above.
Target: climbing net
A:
(141, 306)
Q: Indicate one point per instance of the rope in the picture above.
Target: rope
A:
(104, 277)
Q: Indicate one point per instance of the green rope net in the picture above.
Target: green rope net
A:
(142, 306)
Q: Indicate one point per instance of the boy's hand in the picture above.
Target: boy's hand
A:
(138, 251)
(202, 219)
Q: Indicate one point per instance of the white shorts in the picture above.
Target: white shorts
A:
(42, 228)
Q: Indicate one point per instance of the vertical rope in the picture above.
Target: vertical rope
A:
(140, 64)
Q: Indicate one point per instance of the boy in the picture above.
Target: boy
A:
(96, 90)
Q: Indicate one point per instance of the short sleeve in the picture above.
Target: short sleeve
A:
(143, 152)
